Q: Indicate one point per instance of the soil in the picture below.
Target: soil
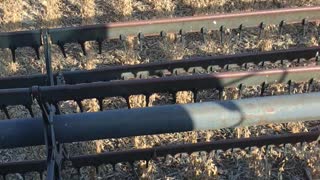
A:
(292, 162)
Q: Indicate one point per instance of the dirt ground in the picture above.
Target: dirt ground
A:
(292, 162)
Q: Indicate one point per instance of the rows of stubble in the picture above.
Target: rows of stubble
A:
(297, 161)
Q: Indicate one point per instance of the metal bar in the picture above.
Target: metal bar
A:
(47, 51)
(188, 24)
(54, 152)
(22, 167)
(21, 96)
(161, 151)
(60, 36)
(150, 27)
(20, 39)
(164, 119)
(23, 81)
(177, 83)
(115, 72)
(14, 40)
(24, 96)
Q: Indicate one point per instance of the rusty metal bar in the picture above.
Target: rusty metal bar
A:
(163, 119)
(153, 27)
(100, 32)
(161, 151)
(187, 24)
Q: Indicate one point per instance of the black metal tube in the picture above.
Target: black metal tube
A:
(163, 119)
(21, 133)
(19, 96)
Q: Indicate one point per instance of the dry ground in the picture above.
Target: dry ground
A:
(294, 162)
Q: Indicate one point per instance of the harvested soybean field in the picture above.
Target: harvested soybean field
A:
(290, 162)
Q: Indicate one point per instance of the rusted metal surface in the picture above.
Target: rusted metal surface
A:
(155, 69)
(188, 24)
(101, 32)
(62, 36)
